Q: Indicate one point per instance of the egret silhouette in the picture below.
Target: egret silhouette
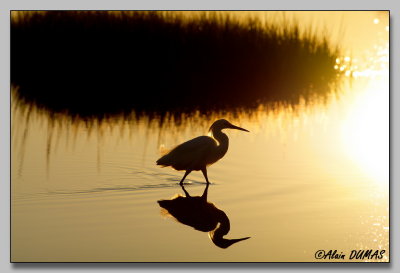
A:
(198, 153)
(197, 212)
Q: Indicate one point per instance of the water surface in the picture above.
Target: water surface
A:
(307, 177)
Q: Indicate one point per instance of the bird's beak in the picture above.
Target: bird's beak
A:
(225, 243)
(238, 128)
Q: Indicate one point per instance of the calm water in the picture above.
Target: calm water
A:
(306, 178)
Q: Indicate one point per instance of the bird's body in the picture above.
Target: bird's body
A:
(193, 154)
(200, 152)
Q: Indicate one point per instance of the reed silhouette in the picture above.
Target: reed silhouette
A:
(201, 215)
(95, 63)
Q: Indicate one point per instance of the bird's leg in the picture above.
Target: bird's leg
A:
(204, 196)
(183, 178)
(184, 190)
(204, 171)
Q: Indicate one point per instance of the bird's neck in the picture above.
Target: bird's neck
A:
(224, 224)
(223, 227)
(223, 141)
(217, 235)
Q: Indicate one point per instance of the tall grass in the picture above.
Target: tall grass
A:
(95, 62)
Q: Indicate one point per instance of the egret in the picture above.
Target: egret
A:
(200, 152)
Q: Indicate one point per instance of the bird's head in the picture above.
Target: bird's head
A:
(224, 124)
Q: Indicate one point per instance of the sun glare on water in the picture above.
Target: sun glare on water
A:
(365, 132)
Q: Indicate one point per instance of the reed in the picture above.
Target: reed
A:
(94, 63)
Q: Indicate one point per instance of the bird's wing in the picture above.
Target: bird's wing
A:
(191, 154)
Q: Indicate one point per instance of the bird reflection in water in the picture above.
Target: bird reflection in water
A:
(204, 216)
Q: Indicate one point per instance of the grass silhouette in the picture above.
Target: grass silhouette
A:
(95, 63)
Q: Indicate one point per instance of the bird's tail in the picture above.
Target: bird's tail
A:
(163, 161)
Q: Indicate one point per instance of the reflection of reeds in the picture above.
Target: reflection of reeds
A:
(95, 63)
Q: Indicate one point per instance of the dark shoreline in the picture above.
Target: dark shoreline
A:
(99, 63)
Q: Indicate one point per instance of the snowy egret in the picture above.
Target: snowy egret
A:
(198, 153)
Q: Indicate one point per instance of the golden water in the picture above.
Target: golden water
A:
(306, 178)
